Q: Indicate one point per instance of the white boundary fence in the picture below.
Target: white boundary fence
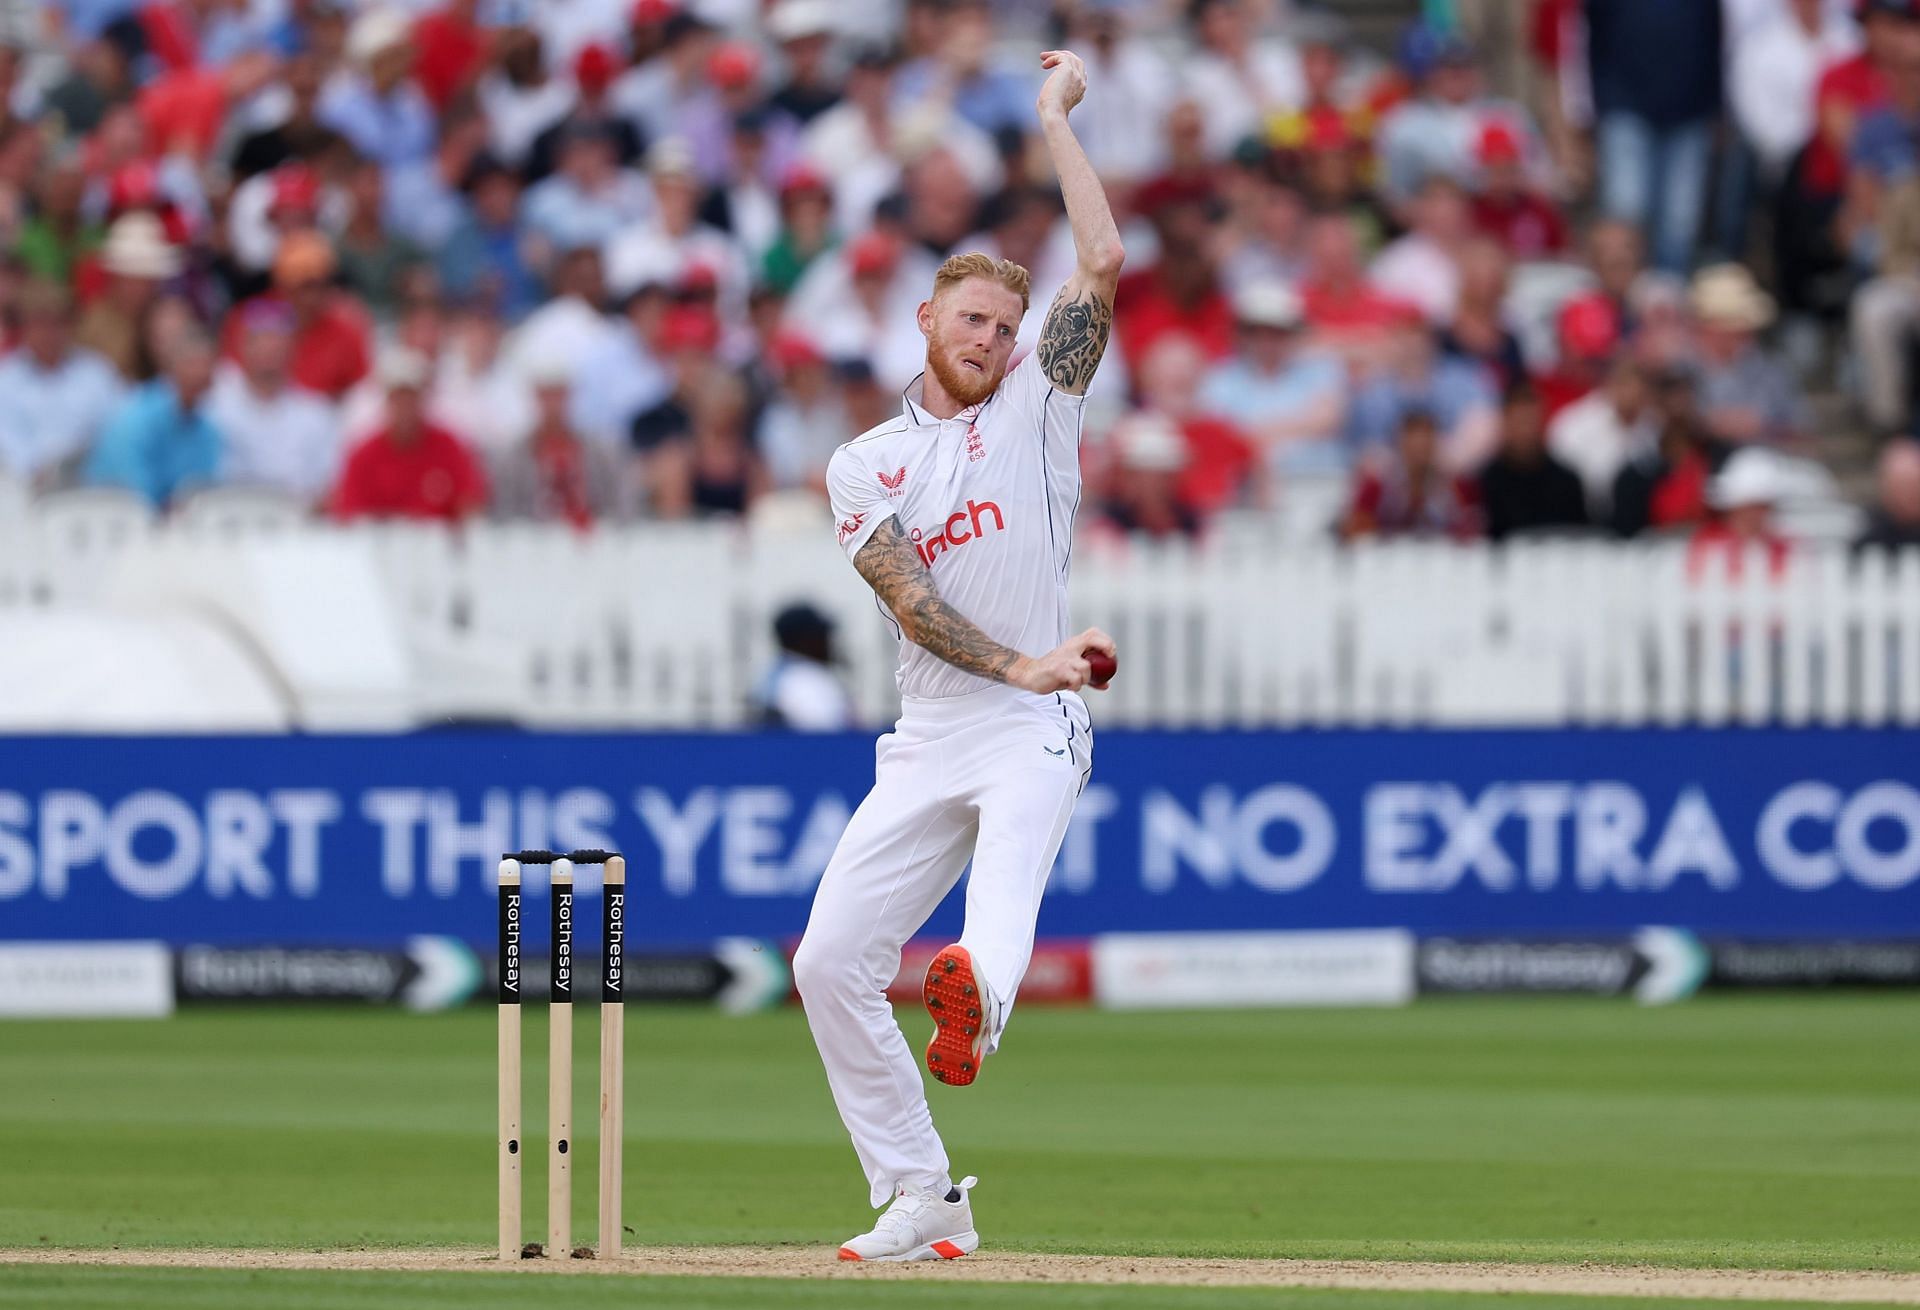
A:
(669, 626)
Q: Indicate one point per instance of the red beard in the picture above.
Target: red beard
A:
(958, 381)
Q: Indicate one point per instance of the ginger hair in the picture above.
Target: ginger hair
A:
(978, 264)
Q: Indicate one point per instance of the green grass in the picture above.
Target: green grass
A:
(1764, 1132)
(180, 1289)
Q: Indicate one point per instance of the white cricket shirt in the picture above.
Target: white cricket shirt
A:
(989, 498)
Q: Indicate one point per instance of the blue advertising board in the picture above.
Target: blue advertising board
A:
(371, 840)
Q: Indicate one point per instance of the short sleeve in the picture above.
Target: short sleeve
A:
(858, 498)
(1027, 391)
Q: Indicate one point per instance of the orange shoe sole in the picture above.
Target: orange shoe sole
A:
(952, 995)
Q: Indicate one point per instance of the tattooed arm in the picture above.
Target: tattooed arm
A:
(1074, 335)
(893, 568)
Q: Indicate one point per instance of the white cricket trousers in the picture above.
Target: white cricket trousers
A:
(990, 776)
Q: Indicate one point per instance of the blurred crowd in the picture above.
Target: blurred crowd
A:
(1549, 265)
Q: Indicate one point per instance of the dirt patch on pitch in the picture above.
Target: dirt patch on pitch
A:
(1016, 1267)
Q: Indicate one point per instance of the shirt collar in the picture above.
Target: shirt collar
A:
(913, 404)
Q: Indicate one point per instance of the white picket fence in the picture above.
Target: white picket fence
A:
(669, 626)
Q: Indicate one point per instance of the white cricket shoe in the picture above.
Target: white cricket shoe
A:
(920, 1226)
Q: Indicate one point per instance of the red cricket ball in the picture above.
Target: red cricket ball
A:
(1103, 667)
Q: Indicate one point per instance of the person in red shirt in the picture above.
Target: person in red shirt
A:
(411, 468)
(1850, 88)
(330, 341)
(1504, 207)
(1408, 494)
(1344, 310)
(1181, 291)
(1588, 332)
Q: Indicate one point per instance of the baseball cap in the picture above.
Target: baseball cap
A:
(876, 252)
(1589, 326)
(733, 64)
(1497, 143)
(689, 327)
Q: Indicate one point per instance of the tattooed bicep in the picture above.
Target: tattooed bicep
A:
(892, 566)
(1074, 336)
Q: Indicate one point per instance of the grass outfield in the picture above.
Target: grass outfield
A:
(1777, 1132)
(180, 1289)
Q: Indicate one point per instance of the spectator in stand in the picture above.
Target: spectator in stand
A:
(1423, 267)
(593, 74)
(1238, 77)
(1179, 292)
(1289, 398)
(1852, 88)
(1406, 492)
(54, 396)
(138, 260)
(1142, 489)
(553, 475)
(1265, 238)
(746, 206)
(161, 442)
(1222, 468)
(964, 72)
(1664, 487)
(1130, 88)
(1773, 75)
(1747, 394)
(807, 420)
(1587, 331)
(1414, 377)
(1435, 133)
(478, 391)
(686, 339)
(452, 49)
(1505, 206)
(1600, 434)
(294, 132)
(484, 259)
(376, 106)
(60, 233)
(522, 99)
(1334, 182)
(589, 199)
(1478, 332)
(851, 144)
(1743, 495)
(410, 468)
(713, 472)
(1523, 489)
(275, 434)
(1894, 522)
(806, 229)
(570, 325)
(801, 692)
(1885, 312)
(1346, 312)
(651, 92)
(624, 374)
(376, 265)
(330, 333)
(424, 203)
(1656, 69)
(805, 30)
(674, 240)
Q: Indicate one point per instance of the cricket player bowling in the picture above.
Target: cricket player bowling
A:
(959, 514)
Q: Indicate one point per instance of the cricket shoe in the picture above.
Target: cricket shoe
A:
(921, 1225)
(962, 1010)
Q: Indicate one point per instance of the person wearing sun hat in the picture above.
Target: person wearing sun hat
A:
(1747, 394)
(138, 260)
